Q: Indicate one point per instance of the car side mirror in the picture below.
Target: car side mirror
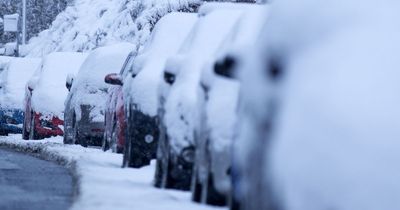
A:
(169, 77)
(226, 67)
(113, 79)
(30, 85)
(69, 81)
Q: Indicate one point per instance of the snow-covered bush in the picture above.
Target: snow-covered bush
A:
(87, 24)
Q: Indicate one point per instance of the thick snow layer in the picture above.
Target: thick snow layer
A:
(336, 140)
(4, 60)
(167, 37)
(88, 87)
(48, 82)
(222, 98)
(185, 98)
(87, 24)
(102, 183)
(13, 81)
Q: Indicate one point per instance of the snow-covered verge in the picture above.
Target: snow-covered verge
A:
(101, 183)
(87, 24)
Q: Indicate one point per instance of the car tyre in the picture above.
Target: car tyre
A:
(211, 195)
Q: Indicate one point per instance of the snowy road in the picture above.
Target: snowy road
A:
(103, 184)
(28, 183)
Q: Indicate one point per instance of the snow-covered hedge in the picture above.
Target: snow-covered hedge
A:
(87, 24)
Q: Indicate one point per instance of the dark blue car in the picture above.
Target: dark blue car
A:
(11, 121)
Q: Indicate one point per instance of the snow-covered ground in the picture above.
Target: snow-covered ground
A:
(102, 183)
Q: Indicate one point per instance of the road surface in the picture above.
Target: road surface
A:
(28, 183)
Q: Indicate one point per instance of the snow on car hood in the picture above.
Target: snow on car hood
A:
(89, 87)
(49, 91)
(13, 80)
(167, 37)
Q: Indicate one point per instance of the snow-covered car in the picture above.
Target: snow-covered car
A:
(141, 86)
(12, 89)
(181, 98)
(319, 109)
(85, 103)
(211, 177)
(45, 94)
(114, 117)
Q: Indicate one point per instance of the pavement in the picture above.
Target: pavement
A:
(28, 183)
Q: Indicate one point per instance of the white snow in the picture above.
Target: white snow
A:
(103, 184)
(185, 96)
(4, 60)
(336, 140)
(88, 87)
(166, 39)
(13, 81)
(49, 82)
(87, 24)
(221, 105)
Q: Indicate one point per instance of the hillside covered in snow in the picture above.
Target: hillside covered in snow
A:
(87, 24)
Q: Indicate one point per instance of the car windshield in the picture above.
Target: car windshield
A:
(127, 65)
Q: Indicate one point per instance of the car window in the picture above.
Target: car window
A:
(127, 67)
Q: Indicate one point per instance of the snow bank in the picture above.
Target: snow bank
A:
(89, 87)
(100, 181)
(49, 91)
(88, 24)
(167, 37)
(13, 81)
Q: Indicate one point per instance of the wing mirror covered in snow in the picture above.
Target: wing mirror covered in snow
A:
(113, 79)
(30, 85)
(225, 67)
(69, 81)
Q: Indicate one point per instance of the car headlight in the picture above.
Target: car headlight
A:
(188, 154)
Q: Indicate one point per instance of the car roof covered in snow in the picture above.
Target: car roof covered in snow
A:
(13, 80)
(167, 37)
(99, 63)
(208, 7)
(48, 82)
(88, 86)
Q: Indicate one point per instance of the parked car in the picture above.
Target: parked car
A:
(12, 88)
(45, 94)
(212, 168)
(319, 109)
(85, 103)
(181, 98)
(115, 121)
(141, 87)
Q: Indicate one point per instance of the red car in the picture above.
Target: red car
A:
(45, 95)
(115, 121)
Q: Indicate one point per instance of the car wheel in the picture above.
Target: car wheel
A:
(197, 189)
(25, 133)
(126, 155)
(32, 133)
(78, 138)
(233, 203)
(211, 195)
(104, 144)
